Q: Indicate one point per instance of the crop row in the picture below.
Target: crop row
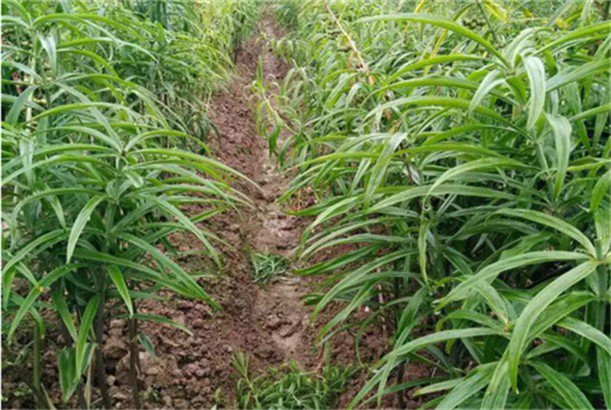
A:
(459, 155)
(103, 106)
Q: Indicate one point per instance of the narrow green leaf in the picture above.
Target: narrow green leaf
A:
(33, 248)
(470, 385)
(117, 278)
(61, 307)
(588, 331)
(13, 115)
(498, 388)
(554, 223)
(601, 189)
(84, 328)
(603, 360)
(561, 129)
(148, 345)
(149, 317)
(79, 224)
(476, 165)
(183, 276)
(536, 79)
(565, 388)
(440, 22)
(439, 337)
(582, 72)
(535, 307)
(491, 271)
(422, 249)
(67, 373)
(489, 82)
(27, 304)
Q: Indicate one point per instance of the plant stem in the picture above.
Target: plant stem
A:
(398, 291)
(351, 42)
(400, 398)
(132, 334)
(100, 368)
(37, 347)
(479, 4)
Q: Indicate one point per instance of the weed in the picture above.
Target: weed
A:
(267, 266)
(288, 387)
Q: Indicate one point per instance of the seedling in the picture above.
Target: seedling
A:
(267, 266)
(288, 386)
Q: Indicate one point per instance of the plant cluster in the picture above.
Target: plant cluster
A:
(288, 387)
(98, 98)
(459, 155)
(267, 267)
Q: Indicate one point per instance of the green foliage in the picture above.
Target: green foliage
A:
(267, 267)
(288, 387)
(93, 177)
(459, 154)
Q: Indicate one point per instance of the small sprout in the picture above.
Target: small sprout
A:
(267, 267)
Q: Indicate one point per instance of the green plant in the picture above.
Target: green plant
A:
(288, 387)
(93, 182)
(185, 53)
(269, 123)
(267, 267)
(462, 174)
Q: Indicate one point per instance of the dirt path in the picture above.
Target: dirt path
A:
(266, 228)
(269, 323)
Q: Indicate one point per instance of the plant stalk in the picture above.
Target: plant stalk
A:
(36, 361)
(100, 368)
(351, 42)
(134, 365)
(492, 31)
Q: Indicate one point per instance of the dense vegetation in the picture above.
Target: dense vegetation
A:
(456, 153)
(459, 155)
(100, 101)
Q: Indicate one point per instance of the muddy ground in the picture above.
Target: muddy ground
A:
(269, 323)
